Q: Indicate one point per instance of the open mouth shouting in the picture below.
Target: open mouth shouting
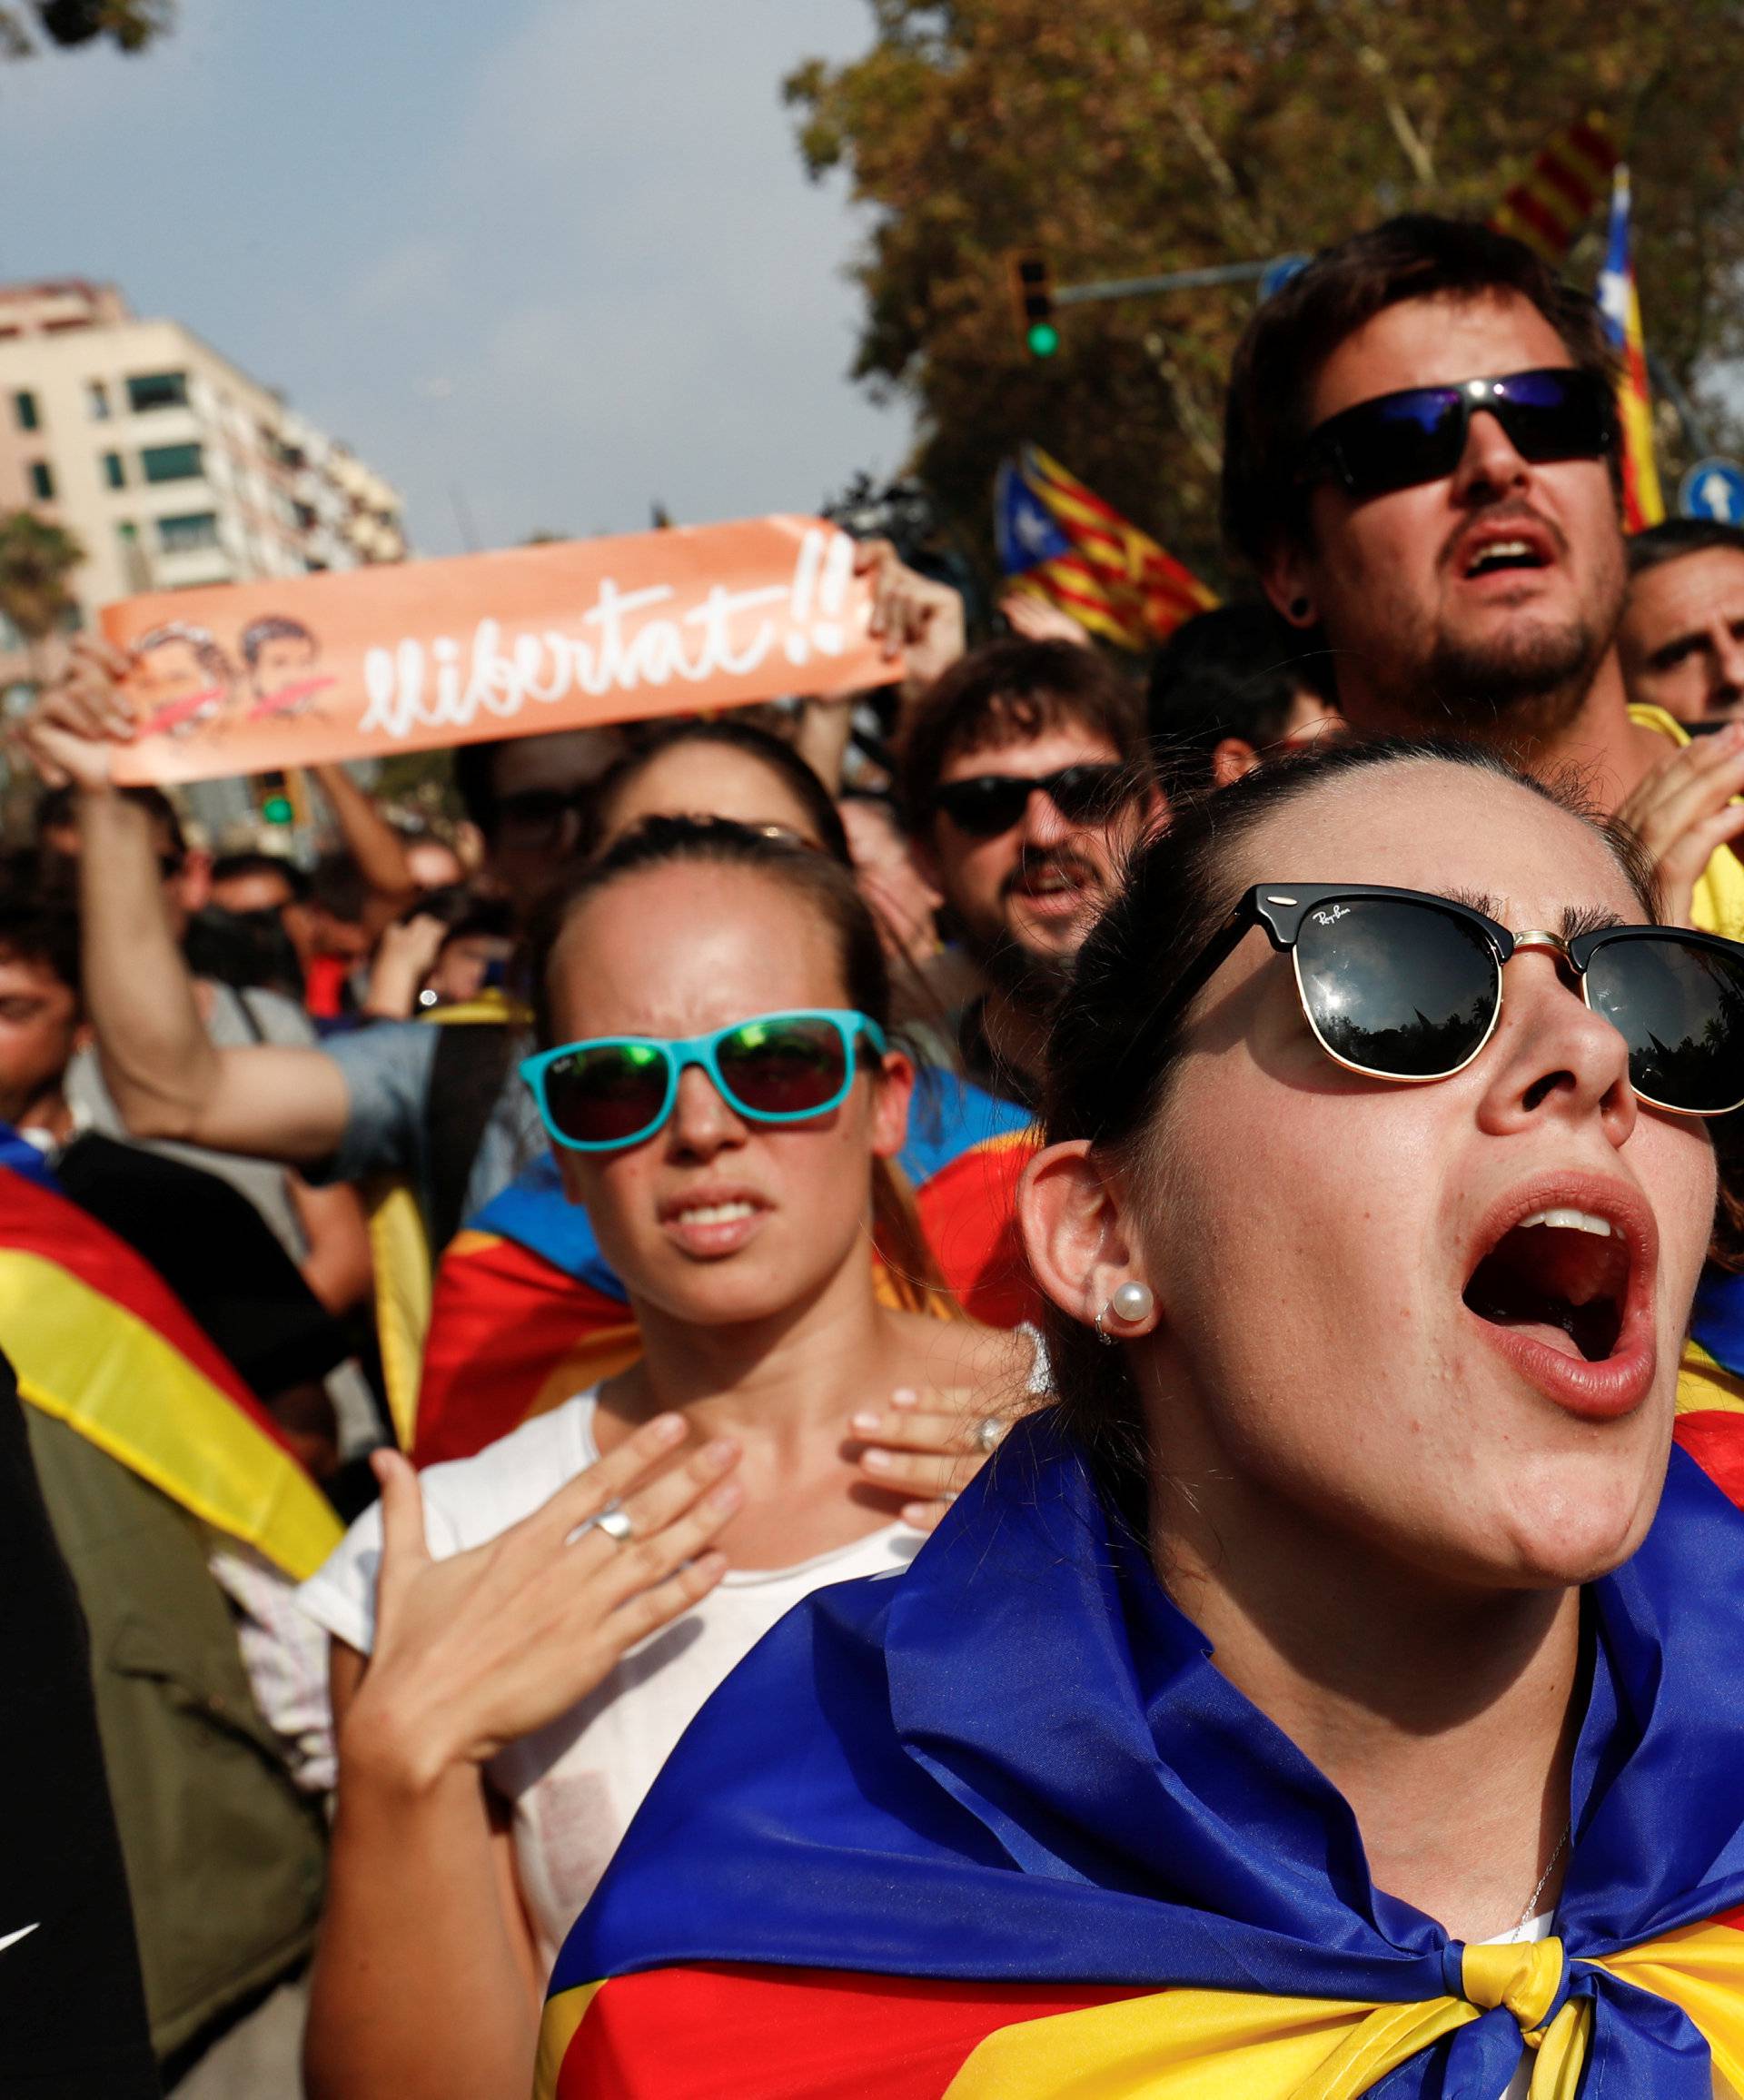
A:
(1055, 885)
(1561, 1282)
(1502, 547)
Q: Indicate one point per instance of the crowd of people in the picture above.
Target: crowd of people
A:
(1205, 1189)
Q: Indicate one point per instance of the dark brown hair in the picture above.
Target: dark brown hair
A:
(1113, 1047)
(1008, 693)
(1293, 333)
(770, 751)
(828, 887)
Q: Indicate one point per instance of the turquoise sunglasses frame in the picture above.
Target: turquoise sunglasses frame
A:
(681, 1052)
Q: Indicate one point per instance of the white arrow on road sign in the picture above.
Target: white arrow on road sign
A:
(1714, 490)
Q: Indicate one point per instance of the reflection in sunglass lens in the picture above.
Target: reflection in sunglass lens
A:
(1396, 988)
(1681, 1010)
(783, 1067)
(1405, 439)
(609, 1095)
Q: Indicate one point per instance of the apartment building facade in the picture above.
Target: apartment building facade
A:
(168, 464)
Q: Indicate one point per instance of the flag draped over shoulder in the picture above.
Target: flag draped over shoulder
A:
(1549, 208)
(1060, 541)
(1710, 1383)
(527, 1311)
(1643, 504)
(100, 1341)
(1001, 1830)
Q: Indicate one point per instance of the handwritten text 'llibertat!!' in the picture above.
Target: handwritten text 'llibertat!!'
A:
(620, 642)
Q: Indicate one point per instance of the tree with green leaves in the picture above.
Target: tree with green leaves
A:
(129, 24)
(1131, 137)
(36, 558)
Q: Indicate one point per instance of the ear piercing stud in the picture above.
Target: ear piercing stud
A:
(1131, 1303)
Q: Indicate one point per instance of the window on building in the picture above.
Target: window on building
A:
(157, 390)
(42, 481)
(97, 396)
(172, 462)
(182, 535)
(114, 472)
(135, 568)
(24, 409)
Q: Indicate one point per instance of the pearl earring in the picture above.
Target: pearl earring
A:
(1131, 1303)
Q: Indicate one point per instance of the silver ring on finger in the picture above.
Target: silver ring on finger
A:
(615, 1521)
(988, 1434)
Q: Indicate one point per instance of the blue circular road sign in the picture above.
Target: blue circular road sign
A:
(1713, 489)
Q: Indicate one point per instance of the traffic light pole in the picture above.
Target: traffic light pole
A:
(1172, 280)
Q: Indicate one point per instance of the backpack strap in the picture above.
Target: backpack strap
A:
(466, 1080)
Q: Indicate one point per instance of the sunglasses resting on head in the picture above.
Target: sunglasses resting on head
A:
(1399, 985)
(1400, 440)
(612, 1091)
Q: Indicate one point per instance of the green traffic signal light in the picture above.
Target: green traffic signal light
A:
(1043, 339)
(276, 810)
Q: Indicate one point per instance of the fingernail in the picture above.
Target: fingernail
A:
(667, 1427)
(916, 1513)
(904, 1396)
(877, 1462)
(727, 1496)
(866, 1420)
(721, 1452)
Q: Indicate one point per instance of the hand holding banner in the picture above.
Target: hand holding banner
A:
(251, 677)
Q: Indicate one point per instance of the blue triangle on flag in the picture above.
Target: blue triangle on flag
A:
(1023, 526)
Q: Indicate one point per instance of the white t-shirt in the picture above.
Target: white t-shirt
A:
(575, 1785)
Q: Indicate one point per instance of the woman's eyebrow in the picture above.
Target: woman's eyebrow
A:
(1478, 900)
(1587, 918)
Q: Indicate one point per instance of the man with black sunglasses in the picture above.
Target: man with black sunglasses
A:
(1422, 465)
(1024, 781)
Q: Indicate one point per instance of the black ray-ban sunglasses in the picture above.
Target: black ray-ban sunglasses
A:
(1398, 440)
(1399, 985)
(989, 803)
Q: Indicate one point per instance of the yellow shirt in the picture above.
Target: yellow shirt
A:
(1719, 904)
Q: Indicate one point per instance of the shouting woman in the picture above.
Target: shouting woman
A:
(1339, 1691)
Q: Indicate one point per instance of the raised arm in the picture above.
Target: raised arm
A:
(166, 1076)
(373, 843)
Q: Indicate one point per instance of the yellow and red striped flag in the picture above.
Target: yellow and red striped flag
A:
(1060, 541)
(1643, 503)
(1550, 205)
(99, 1342)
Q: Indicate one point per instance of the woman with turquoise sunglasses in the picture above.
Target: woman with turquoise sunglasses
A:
(542, 1621)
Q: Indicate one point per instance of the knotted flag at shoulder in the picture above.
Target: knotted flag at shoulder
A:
(1000, 1830)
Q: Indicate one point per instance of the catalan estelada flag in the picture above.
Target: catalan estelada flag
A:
(1710, 1383)
(1549, 207)
(1001, 1830)
(1617, 302)
(1060, 541)
(100, 1341)
(527, 1311)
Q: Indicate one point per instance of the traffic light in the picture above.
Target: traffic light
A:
(1032, 284)
(275, 796)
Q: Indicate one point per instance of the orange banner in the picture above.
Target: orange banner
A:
(248, 678)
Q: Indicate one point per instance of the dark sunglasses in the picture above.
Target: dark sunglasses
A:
(611, 1091)
(990, 803)
(1399, 440)
(538, 815)
(1399, 985)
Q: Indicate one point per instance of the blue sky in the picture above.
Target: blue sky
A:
(558, 255)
